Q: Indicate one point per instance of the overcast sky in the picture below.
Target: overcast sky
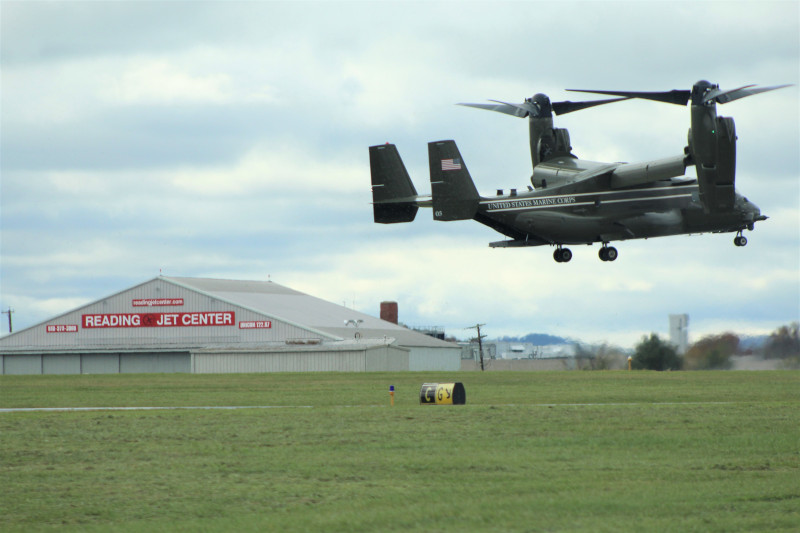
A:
(226, 139)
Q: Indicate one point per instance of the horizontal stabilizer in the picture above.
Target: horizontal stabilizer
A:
(394, 213)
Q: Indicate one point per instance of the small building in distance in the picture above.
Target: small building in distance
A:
(518, 355)
(679, 332)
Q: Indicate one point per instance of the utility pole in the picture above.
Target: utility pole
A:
(480, 344)
(9, 312)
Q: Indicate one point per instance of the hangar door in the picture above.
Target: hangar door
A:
(154, 363)
(97, 363)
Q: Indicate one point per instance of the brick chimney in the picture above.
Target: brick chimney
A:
(389, 312)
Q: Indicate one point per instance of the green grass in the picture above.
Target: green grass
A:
(544, 451)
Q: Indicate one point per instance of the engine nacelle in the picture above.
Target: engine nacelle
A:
(631, 174)
(712, 145)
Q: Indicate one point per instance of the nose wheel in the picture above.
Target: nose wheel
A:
(562, 255)
(740, 240)
(608, 253)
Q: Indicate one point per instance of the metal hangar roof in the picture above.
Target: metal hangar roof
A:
(188, 313)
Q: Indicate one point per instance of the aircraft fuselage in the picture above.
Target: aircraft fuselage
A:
(566, 215)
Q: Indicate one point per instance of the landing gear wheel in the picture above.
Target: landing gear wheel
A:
(562, 255)
(608, 253)
(740, 240)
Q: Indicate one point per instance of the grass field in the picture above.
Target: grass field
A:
(540, 451)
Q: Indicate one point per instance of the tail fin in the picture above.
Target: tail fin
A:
(454, 194)
(393, 194)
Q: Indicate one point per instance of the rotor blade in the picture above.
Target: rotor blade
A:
(524, 107)
(723, 97)
(676, 97)
(502, 107)
(561, 108)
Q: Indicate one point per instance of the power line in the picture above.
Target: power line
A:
(9, 313)
(480, 344)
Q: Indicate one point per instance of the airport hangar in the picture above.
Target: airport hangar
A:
(198, 325)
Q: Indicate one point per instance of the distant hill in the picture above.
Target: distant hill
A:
(747, 343)
(752, 343)
(538, 339)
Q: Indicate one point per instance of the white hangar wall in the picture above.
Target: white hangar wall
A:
(156, 314)
(429, 358)
(366, 358)
(217, 326)
(213, 361)
(96, 363)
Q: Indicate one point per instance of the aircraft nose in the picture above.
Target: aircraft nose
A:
(757, 213)
(751, 210)
(753, 214)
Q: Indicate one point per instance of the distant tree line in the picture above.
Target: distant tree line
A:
(603, 357)
(714, 352)
(654, 354)
(784, 343)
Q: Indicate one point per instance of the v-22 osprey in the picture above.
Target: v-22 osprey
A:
(574, 201)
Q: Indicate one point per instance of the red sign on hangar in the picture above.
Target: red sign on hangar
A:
(255, 324)
(62, 328)
(159, 320)
(151, 302)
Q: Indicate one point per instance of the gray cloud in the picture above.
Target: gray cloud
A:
(230, 139)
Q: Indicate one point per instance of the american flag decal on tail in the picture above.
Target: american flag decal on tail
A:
(451, 164)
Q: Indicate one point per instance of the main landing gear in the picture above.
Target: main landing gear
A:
(562, 255)
(740, 240)
(608, 253)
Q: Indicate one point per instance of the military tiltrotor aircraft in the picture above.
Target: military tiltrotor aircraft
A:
(574, 201)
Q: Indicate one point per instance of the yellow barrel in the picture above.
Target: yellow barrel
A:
(442, 394)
